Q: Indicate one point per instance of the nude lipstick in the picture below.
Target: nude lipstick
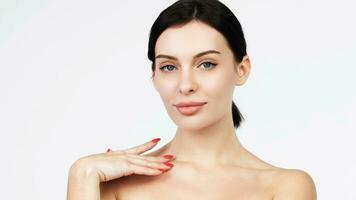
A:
(189, 108)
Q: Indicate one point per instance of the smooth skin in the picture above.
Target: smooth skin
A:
(210, 162)
(88, 173)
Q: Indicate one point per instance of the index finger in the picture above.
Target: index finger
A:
(143, 147)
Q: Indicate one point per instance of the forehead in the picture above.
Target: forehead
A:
(188, 39)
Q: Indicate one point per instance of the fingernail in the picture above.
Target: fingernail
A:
(168, 156)
(156, 140)
(168, 164)
(162, 170)
(108, 150)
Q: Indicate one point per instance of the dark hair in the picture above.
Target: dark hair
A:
(211, 12)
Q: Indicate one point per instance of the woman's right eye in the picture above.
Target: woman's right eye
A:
(167, 67)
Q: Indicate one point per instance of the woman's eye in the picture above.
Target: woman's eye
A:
(209, 64)
(167, 67)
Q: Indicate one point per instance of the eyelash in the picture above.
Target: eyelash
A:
(213, 65)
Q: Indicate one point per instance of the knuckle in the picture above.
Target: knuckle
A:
(128, 168)
(137, 150)
(120, 152)
(124, 154)
(154, 164)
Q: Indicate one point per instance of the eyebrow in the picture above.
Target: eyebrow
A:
(196, 56)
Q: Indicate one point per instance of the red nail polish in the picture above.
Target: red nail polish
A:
(168, 156)
(156, 140)
(108, 150)
(168, 164)
(162, 170)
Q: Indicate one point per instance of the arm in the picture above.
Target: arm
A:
(296, 185)
(82, 185)
(88, 175)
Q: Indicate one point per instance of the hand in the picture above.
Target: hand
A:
(119, 163)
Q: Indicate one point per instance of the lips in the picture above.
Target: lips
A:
(187, 104)
(189, 108)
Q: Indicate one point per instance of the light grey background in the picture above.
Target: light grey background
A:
(75, 80)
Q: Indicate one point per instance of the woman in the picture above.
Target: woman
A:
(198, 54)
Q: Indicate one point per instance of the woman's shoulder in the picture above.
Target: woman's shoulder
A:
(110, 190)
(284, 183)
(293, 184)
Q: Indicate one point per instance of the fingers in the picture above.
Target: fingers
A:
(132, 162)
(151, 167)
(164, 158)
(143, 147)
(142, 170)
(150, 164)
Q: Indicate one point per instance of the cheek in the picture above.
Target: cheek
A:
(166, 87)
(220, 85)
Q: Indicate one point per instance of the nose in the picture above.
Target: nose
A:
(187, 83)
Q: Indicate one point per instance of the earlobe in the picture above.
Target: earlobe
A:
(238, 75)
(242, 71)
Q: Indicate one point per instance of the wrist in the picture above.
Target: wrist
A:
(83, 183)
(81, 171)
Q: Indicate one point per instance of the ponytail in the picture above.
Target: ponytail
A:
(236, 115)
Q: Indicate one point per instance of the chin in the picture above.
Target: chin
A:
(192, 123)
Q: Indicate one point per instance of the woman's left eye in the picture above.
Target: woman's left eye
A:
(209, 64)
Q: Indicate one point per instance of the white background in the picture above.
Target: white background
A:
(75, 80)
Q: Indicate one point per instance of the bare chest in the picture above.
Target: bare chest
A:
(201, 187)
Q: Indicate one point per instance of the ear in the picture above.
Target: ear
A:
(242, 70)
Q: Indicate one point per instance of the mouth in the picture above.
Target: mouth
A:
(189, 108)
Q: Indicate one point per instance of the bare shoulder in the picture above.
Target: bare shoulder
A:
(294, 184)
(114, 189)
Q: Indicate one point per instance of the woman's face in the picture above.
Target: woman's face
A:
(183, 73)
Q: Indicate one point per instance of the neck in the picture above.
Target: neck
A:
(214, 145)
